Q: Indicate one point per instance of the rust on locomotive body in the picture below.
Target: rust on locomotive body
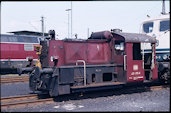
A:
(105, 60)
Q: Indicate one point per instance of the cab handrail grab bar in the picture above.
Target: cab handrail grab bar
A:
(84, 69)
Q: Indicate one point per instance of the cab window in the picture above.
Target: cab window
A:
(137, 51)
(164, 25)
(12, 39)
(4, 38)
(148, 27)
(119, 48)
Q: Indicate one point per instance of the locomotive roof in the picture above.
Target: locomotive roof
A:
(160, 17)
(20, 36)
(25, 32)
(136, 37)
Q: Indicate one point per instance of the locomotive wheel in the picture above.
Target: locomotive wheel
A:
(34, 79)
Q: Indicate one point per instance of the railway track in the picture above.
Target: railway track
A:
(35, 99)
(14, 79)
(24, 101)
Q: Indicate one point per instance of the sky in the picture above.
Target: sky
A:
(87, 16)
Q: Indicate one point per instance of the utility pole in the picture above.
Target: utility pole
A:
(0, 14)
(68, 21)
(88, 33)
(42, 20)
(71, 19)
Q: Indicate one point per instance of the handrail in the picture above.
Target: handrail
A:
(125, 62)
(84, 69)
(152, 60)
(143, 55)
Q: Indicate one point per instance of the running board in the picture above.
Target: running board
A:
(97, 86)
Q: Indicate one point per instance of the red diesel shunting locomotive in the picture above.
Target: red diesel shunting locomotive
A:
(105, 60)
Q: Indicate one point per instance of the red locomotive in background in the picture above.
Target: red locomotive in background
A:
(16, 51)
(104, 60)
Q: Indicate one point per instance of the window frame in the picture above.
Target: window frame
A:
(147, 23)
(160, 25)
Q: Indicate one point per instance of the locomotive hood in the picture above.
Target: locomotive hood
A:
(136, 37)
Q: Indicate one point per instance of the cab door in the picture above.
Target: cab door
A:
(133, 63)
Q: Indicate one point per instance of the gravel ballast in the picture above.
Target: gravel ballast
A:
(155, 100)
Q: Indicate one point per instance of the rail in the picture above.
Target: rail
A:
(14, 79)
(23, 100)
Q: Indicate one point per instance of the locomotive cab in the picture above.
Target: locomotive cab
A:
(137, 66)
